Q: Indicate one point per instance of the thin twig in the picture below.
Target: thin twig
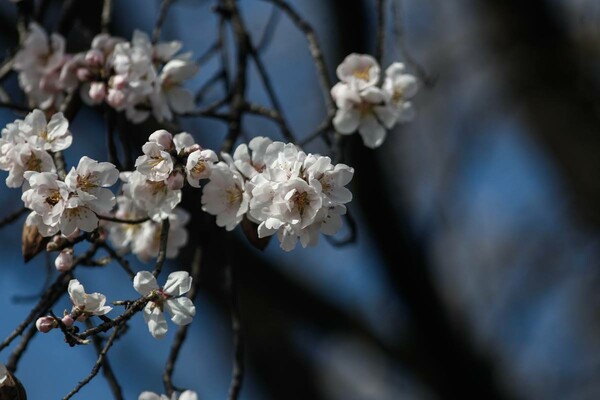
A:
(380, 39)
(269, 30)
(50, 296)
(120, 260)
(109, 375)
(427, 79)
(315, 50)
(113, 156)
(99, 362)
(14, 106)
(13, 216)
(123, 221)
(107, 7)
(162, 14)
(162, 252)
(237, 374)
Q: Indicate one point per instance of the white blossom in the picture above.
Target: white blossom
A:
(53, 135)
(400, 87)
(168, 298)
(199, 166)
(156, 164)
(170, 95)
(359, 71)
(93, 177)
(39, 64)
(78, 214)
(225, 196)
(155, 198)
(86, 304)
(47, 196)
(368, 111)
(248, 164)
(186, 395)
(21, 158)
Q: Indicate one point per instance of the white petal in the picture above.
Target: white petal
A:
(372, 133)
(144, 283)
(178, 283)
(157, 324)
(346, 121)
(182, 310)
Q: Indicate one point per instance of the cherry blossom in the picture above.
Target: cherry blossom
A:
(39, 64)
(199, 166)
(53, 135)
(187, 395)
(400, 87)
(86, 304)
(169, 298)
(91, 178)
(225, 196)
(359, 71)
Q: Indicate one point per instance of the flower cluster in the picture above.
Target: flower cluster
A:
(282, 189)
(25, 144)
(137, 76)
(365, 107)
(71, 204)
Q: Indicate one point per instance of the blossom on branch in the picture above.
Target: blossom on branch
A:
(170, 298)
(187, 395)
(86, 304)
(365, 107)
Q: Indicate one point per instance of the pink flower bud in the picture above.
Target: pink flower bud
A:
(115, 98)
(175, 180)
(68, 320)
(162, 137)
(64, 261)
(117, 82)
(83, 74)
(45, 324)
(94, 57)
(97, 91)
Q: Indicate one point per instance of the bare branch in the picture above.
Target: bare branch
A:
(164, 8)
(13, 216)
(162, 252)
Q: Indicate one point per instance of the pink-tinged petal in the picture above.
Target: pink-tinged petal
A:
(144, 283)
(371, 131)
(178, 283)
(157, 324)
(182, 310)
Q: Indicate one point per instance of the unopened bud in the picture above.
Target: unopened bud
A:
(45, 324)
(83, 74)
(64, 261)
(68, 320)
(162, 137)
(175, 180)
(97, 92)
(117, 82)
(115, 98)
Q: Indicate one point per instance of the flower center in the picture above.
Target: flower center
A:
(301, 200)
(34, 164)
(84, 182)
(54, 198)
(362, 73)
(234, 195)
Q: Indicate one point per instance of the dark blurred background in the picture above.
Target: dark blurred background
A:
(474, 272)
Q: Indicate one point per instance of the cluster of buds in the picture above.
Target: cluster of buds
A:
(137, 76)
